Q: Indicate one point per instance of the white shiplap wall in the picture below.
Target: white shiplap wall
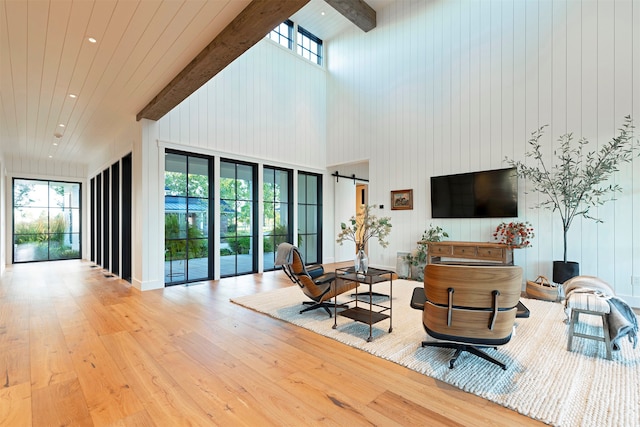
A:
(22, 167)
(268, 104)
(454, 86)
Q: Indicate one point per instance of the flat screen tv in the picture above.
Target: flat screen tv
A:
(484, 194)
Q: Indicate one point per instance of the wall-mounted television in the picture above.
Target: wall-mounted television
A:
(484, 194)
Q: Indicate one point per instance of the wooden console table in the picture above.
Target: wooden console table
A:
(495, 253)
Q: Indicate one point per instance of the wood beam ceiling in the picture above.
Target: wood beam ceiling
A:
(356, 11)
(247, 29)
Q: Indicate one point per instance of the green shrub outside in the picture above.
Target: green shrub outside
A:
(176, 246)
(280, 235)
(241, 245)
(41, 231)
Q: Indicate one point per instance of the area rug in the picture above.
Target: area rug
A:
(543, 380)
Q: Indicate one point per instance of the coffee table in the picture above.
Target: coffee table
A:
(366, 312)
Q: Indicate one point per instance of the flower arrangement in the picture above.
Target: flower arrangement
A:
(515, 234)
(419, 255)
(360, 229)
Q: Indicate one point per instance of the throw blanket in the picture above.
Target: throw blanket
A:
(622, 320)
(284, 255)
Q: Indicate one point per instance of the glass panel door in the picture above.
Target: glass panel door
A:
(46, 220)
(310, 217)
(198, 219)
(237, 218)
(276, 227)
(186, 220)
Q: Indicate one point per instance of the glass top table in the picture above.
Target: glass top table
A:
(366, 312)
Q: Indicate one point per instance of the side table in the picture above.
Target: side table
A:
(365, 312)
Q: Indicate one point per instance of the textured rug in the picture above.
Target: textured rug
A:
(543, 380)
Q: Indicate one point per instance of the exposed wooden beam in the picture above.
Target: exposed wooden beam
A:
(247, 29)
(356, 11)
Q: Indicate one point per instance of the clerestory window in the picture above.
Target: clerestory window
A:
(307, 45)
(283, 34)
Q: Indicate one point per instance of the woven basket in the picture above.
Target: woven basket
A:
(542, 288)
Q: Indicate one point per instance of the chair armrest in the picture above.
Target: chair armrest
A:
(523, 311)
(315, 270)
(418, 298)
(324, 278)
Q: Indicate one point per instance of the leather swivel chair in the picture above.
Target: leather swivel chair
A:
(318, 286)
(470, 307)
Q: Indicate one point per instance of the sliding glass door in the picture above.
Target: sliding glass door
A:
(46, 220)
(310, 217)
(277, 207)
(237, 218)
(186, 219)
(190, 218)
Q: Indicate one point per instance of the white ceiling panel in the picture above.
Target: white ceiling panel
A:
(141, 46)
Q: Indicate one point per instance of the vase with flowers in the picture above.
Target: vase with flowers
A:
(360, 229)
(514, 234)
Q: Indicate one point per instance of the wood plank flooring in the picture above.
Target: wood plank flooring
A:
(80, 349)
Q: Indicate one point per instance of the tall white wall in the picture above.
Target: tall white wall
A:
(148, 210)
(269, 104)
(453, 86)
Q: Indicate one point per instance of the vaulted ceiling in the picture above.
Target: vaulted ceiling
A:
(141, 49)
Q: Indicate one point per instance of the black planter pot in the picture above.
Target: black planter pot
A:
(563, 271)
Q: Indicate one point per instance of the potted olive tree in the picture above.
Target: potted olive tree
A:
(576, 181)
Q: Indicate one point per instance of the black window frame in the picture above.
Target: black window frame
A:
(210, 218)
(300, 49)
(290, 205)
(276, 35)
(319, 232)
(254, 220)
(13, 225)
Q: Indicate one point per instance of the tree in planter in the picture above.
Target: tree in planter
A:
(576, 182)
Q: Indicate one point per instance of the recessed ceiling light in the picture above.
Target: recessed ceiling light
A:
(92, 40)
(55, 143)
(322, 13)
(73, 95)
(51, 157)
(61, 125)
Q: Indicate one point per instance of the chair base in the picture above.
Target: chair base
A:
(326, 305)
(459, 348)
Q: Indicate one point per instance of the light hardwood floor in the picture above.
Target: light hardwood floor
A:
(80, 349)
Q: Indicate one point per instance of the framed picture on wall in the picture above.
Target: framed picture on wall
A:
(401, 199)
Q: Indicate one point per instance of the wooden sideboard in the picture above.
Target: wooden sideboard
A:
(479, 252)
